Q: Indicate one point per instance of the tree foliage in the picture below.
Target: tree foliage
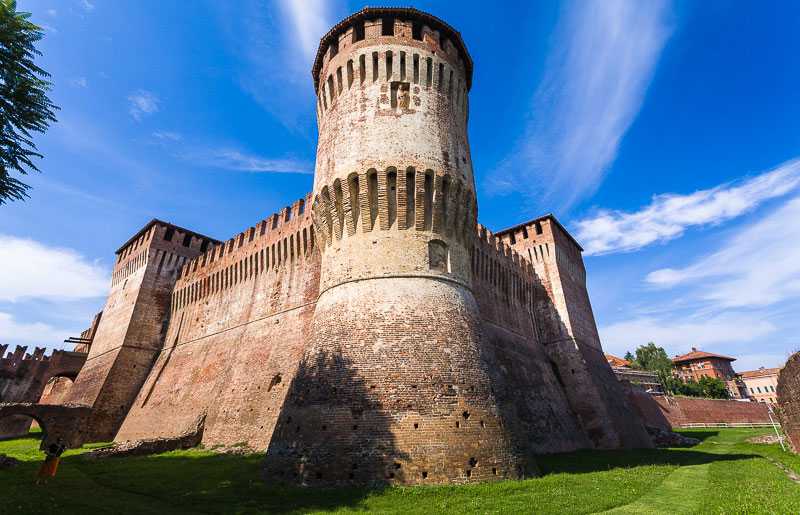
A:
(655, 359)
(24, 105)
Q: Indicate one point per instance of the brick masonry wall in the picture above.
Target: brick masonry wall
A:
(686, 410)
(130, 332)
(789, 400)
(24, 377)
(236, 334)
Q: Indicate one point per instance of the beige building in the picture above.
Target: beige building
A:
(761, 384)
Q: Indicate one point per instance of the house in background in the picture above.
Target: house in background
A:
(761, 384)
(697, 364)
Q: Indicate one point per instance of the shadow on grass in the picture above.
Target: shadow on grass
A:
(593, 461)
(205, 482)
(700, 435)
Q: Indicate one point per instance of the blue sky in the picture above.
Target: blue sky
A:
(662, 134)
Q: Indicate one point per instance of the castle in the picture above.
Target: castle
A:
(373, 331)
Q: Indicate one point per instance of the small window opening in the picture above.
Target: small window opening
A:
(428, 72)
(349, 74)
(373, 197)
(169, 234)
(402, 66)
(387, 26)
(358, 31)
(415, 72)
(204, 246)
(416, 30)
(187, 240)
(334, 47)
(428, 200)
(410, 198)
(362, 68)
(388, 64)
(391, 179)
(538, 228)
(374, 66)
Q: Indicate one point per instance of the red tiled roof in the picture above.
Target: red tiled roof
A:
(761, 372)
(614, 361)
(698, 354)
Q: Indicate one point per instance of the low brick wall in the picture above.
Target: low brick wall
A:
(681, 411)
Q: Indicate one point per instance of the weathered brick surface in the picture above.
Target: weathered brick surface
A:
(371, 332)
(130, 332)
(789, 399)
(24, 377)
(686, 410)
(236, 335)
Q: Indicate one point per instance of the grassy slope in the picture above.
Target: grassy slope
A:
(721, 475)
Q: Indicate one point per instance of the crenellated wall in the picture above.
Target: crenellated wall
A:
(567, 331)
(130, 332)
(23, 378)
(526, 382)
(239, 320)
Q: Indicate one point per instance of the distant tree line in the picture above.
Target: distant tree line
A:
(652, 358)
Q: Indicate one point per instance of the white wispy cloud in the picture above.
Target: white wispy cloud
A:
(678, 335)
(86, 5)
(52, 13)
(79, 82)
(603, 58)
(758, 266)
(33, 270)
(36, 333)
(276, 48)
(310, 20)
(669, 215)
(167, 136)
(142, 103)
(236, 160)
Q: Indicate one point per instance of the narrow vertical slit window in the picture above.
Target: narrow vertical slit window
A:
(374, 66)
(362, 68)
(445, 199)
(411, 198)
(428, 200)
(339, 87)
(355, 206)
(391, 185)
(349, 73)
(440, 77)
(416, 68)
(373, 197)
(428, 72)
(389, 65)
(402, 66)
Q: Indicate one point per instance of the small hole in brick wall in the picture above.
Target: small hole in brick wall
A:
(391, 475)
(469, 473)
(355, 427)
(573, 371)
(483, 424)
(416, 426)
(473, 462)
(494, 471)
(397, 466)
(465, 415)
(355, 466)
(372, 387)
(424, 474)
(319, 475)
(458, 424)
(351, 475)
(297, 429)
(288, 420)
(324, 427)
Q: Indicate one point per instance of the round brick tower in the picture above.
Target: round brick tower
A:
(392, 387)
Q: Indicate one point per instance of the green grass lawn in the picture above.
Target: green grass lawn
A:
(723, 474)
